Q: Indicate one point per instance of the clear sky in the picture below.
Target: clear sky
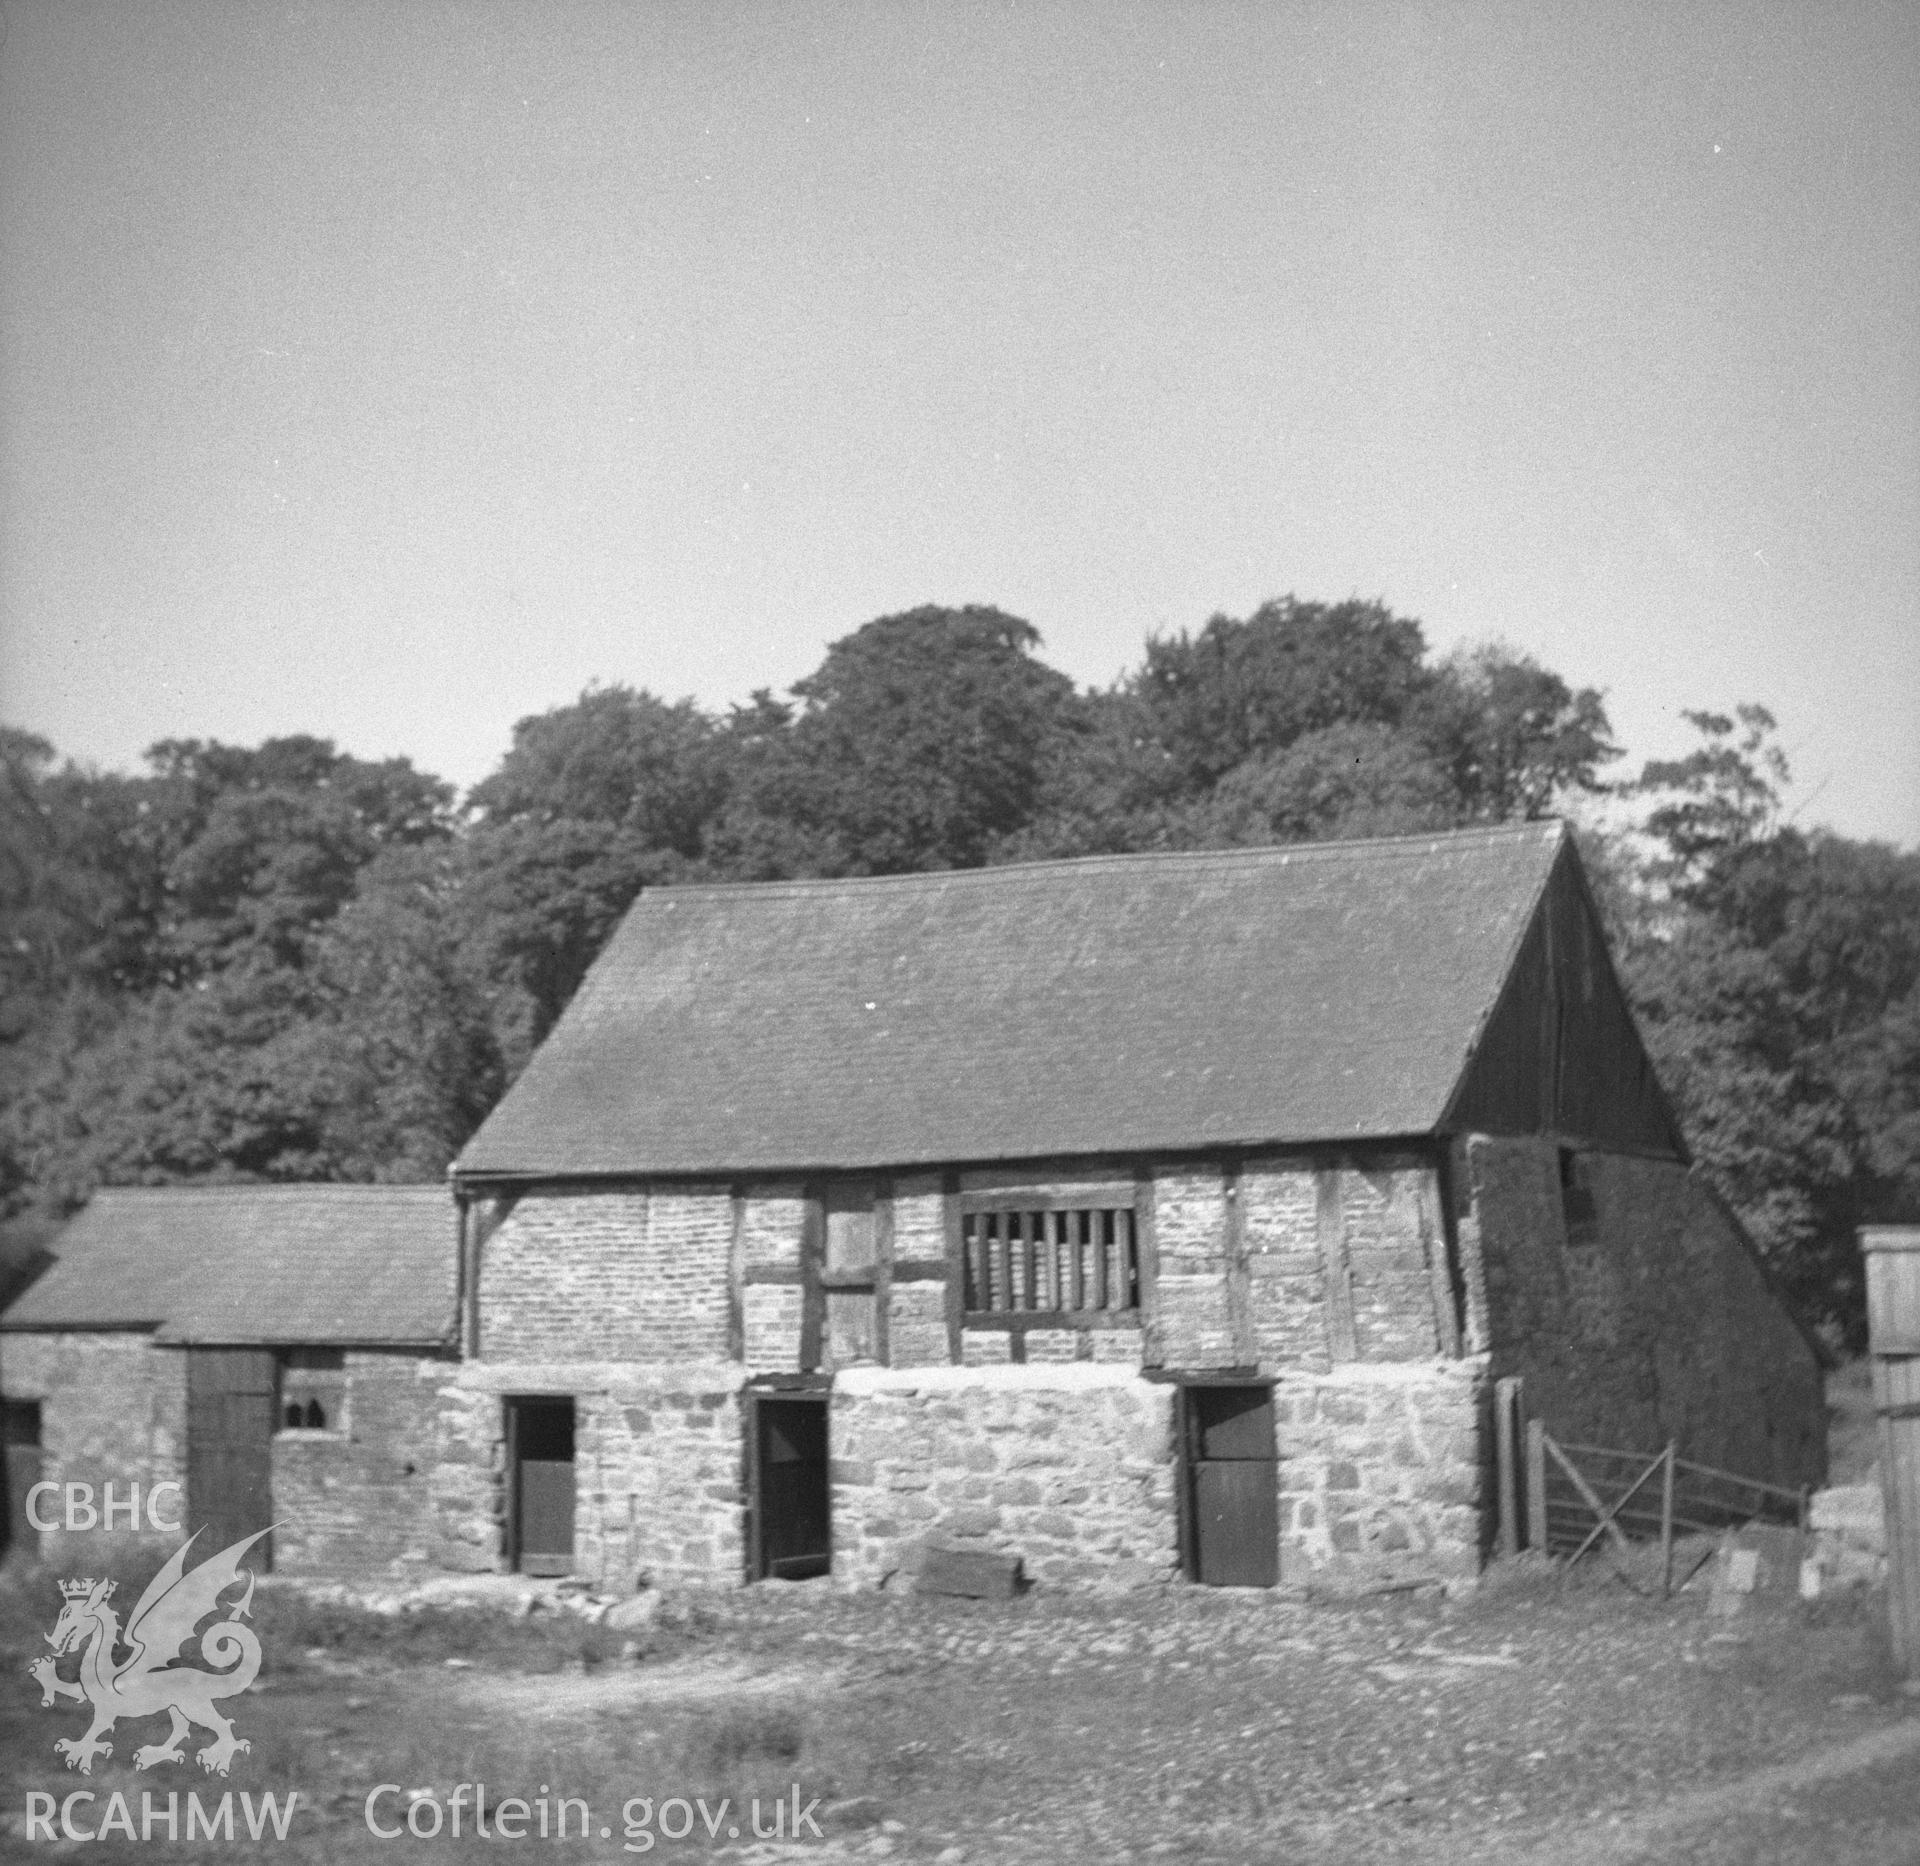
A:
(390, 371)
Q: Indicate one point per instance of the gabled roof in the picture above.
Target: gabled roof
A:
(1118, 1005)
(315, 1265)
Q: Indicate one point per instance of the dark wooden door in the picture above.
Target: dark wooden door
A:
(540, 1460)
(20, 1448)
(232, 1406)
(1232, 1486)
(792, 1516)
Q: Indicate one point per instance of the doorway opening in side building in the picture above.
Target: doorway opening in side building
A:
(1229, 1485)
(540, 1486)
(790, 1524)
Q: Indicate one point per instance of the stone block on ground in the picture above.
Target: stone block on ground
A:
(968, 1573)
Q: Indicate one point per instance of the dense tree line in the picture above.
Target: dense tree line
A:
(284, 962)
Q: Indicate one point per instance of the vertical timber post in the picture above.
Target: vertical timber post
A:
(1506, 1460)
(1892, 1256)
(1666, 1520)
(1536, 1486)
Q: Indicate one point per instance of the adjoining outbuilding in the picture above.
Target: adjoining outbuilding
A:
(276, 1351)
(1140, 1216)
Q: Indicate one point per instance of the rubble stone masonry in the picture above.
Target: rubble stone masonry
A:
(657, 1469)
(1658, 1323)
(357, 1500)
(1068, 1465)
(1383, 1471)
(113, 1410)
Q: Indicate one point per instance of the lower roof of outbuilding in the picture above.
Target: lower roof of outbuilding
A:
(307, 1265)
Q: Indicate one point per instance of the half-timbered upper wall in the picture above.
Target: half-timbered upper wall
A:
(1560, 1053)
(622, 1273)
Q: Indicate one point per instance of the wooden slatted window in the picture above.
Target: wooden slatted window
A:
(1066, 1264)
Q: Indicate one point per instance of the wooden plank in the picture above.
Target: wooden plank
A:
(864, 1281)
(1609, 1513)
(546, 1516)
(1100, 1225)
(757, 1275)
(1330, 1224)
(231, 1397)
(969, 1574)
(1001, 1296)
(1433, 1242)
(1666, 1523)
(1536, 1486)
(1079, 1197)
(918, 1271)
(1237, 1529)
(1588, 1498)
(1145, 1254)
(752, 1539)
(1892, 1256)
(1239, 1279)
(737, 1277)
(813, 1301)
(1506, 1452)
(883, 1273)
(956, 1265)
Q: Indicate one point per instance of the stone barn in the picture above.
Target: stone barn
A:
(1145, 1217)
(275, 1351)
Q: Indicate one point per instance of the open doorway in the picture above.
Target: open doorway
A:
(540, 1486)
(20, 1448)
(1230, 1486)
(791, 1535)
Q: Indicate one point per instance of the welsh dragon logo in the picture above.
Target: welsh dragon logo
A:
(146, 1681)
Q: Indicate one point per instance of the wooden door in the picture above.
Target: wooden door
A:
(1232, 1480)
(232, 1407)
(849, 1276)
(20, 1449)
(792, 1536)
(540, 1485)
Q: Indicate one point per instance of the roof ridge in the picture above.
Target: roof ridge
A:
(1531, 829)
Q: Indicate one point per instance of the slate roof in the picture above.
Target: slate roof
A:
(312, 1265)
(1122, 1004)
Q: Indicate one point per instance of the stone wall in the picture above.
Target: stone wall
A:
(1383, 1471)
(636, 1274)
(1068, 1465)
(658, 1469)
(1660, 1325)
(356, 1500)
(113, 1409)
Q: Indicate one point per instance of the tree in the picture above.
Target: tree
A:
(258, 848)
(655, 771)
(1347, 780)
(1239, 690)
(1775, 976)
(1513, 738)
(922, 740)
(1720, 798)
